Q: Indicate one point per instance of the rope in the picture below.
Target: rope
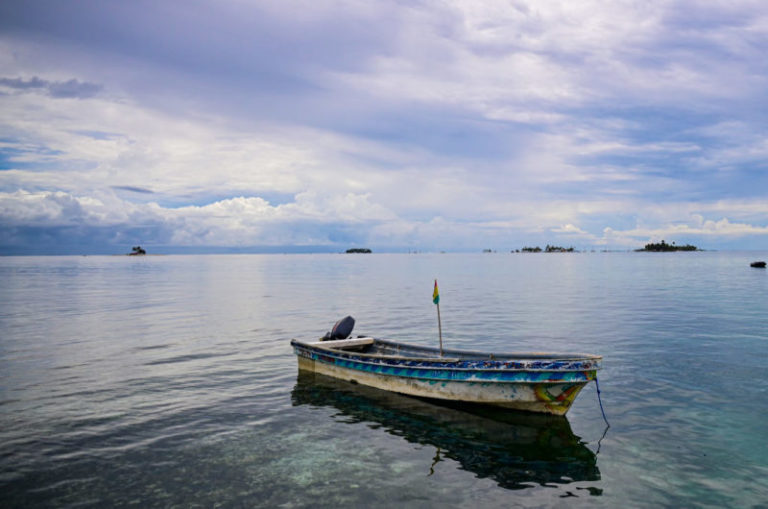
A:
(599, 399)
(599, 442)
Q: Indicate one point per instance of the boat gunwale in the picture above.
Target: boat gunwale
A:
(497, 358)
(484, 381)
(486, 369)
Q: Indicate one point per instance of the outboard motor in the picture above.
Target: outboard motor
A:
(341, 330)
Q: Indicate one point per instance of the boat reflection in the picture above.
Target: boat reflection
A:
(516, 450)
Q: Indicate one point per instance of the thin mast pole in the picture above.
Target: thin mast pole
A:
(440, 329)
(436, 300)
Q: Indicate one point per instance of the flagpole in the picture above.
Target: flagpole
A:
(440, 329)
(436, 300)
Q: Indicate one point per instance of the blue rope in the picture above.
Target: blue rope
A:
(597, 384)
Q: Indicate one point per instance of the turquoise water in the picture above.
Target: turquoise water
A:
(165, 381)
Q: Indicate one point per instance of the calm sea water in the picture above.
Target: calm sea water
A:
(168, 381)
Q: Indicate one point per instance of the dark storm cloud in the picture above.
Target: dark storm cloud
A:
(58, 89)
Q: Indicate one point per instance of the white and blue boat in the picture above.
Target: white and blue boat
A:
(534, 382)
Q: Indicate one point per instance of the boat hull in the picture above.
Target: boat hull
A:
(550, 391)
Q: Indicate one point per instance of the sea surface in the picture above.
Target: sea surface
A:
(168, 381)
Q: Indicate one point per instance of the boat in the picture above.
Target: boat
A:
(757, 265)
(533, 382)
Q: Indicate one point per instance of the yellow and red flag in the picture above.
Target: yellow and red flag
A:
(436, 294)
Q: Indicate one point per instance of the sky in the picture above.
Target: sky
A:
(284, 126)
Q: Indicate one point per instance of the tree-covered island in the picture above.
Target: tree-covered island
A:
(359, 250)
(548, 249)
(137, 251)
(662, 247)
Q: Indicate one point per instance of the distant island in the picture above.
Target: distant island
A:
(359, 250)
(137, 251)
(548, 249)
(662, 247)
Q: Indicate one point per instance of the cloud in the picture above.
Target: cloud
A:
(453, 125)
(133, 189)
(333, 221)
(59, 89)
(56, 209)
(705, 231)
(20, 84)
(308, 220)
(570, 230)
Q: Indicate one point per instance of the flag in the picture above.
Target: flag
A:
(436, 295)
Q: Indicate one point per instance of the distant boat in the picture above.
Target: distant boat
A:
(757, 265)
(535, 382)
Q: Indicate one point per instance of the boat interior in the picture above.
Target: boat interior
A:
(337, 339)
(378, 347)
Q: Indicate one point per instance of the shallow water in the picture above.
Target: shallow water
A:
(165, 381)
